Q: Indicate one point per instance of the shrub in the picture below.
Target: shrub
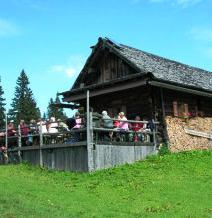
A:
(164, 149)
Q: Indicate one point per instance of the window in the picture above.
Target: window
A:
(180, 109)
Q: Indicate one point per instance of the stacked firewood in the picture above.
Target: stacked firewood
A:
(181, 141)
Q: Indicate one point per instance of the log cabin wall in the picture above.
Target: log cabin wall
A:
(179, 103)
(107, 67)
(111, 67)
(136, 101)
(183, 110)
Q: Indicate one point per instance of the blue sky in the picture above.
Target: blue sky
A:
(50, 39)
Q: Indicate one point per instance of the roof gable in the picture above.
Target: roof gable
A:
(160, 68)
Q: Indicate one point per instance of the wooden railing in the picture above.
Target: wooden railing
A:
(89, 134)
(122, 136)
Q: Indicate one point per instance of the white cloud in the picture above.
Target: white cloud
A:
(7, 28)
(201, 33)
(65, 69)
(72, 66)
(183, 3)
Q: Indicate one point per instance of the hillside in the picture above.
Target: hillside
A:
(175, 185)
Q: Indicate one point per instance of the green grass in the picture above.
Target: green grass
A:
(174, 185)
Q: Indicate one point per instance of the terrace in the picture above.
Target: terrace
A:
(85, 149)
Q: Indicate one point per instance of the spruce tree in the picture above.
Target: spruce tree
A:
(54, 111)
(23, 104)
(2, 107)
(44, 116)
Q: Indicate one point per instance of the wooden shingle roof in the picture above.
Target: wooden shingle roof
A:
(167, 70)
(161, 69)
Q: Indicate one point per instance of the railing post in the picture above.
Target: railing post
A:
(6, 133)
(19, 143)
(91, 128)
(6, 159)
(89, 140)
(41, 144)
(166, 135)
(154, 135)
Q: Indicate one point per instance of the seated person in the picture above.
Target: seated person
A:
(11, 129)
(78, 125)
(147, 129)
(137, 128)
(116, 123)
(52, 129)
(43, 126)
(108, 124)
(123, 125)
(2, 139)
(33, 138)
(24, 133)
(33, 127)
(24, 128)
(63, 127)
(151, 125)
(70, 122)
(53, 125)
(11, 132)
(106, 120)
(74, 123)
(78, 121)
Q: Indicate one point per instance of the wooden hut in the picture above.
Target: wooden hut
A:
(122, 78)
(118, 78)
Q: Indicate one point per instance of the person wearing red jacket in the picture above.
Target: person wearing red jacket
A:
(137, 128)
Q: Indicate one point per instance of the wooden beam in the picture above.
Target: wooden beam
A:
(60, 105)
(49, 146)
(111, 89)
(181, 89)
(164, 118)
(89, 139)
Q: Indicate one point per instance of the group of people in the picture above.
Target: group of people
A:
(137, 129)
(30, 132)
(119, 128)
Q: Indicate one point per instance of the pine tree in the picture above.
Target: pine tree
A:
(54, 111)
(23, 104)
(2, 108)
(51, 112)
(44, 117)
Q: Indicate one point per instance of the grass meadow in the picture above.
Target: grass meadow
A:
(172, 185)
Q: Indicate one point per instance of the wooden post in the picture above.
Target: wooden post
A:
(41, 144)
(6, 134)
(6, 141)
(19, 143)
(91, 128)
(154, 136)
(89, 140)
(164, 118)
